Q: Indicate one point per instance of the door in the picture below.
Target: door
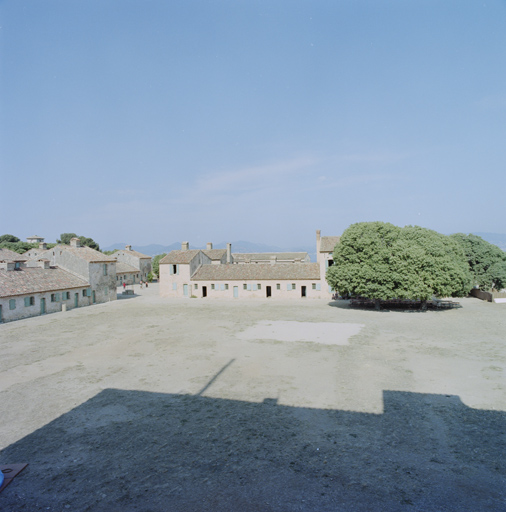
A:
(204, 291)
(42, 306)
(302, 291)
(76, 300)
(93, 297)
(268, 291)
(185, 290)
(1, 317)
(236, 292)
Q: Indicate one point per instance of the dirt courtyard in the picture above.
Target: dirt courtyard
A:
(149, 404)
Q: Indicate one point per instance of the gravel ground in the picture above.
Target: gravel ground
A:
(149, 404)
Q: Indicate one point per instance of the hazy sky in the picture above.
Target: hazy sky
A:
(160, 121)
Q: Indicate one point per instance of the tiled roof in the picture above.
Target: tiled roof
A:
(123, 268)
(175, 257)
(214, 254)
(328, 243)
(34, 280)
(280, 271)
(132, 253)
(267, 256)
(86, 253)
(8, 255)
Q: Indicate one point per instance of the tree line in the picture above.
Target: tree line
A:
(381, 261)
(15, 244)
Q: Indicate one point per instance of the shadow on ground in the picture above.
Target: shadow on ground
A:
(140, 451)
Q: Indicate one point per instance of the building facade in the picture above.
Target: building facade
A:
(134, 260)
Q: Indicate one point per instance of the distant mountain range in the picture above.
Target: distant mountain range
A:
(241, 246)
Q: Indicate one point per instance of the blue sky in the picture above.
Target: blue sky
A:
(161, 121)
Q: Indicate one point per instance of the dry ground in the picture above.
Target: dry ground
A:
(149, 404)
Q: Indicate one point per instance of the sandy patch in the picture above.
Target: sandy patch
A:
(327, 333)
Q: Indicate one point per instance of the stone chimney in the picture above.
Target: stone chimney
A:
(229, 253)
(209, 246)
(185, 246)
(273, 259)
(44, 264)
(318, 244)
(43, 246)
(128, 247)
(75, 242)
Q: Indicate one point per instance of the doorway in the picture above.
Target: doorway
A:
(236, 292)
(76, 300)
(302, 291)
(93, 297)
(268, 291)
(42, 306)
(185, 290)
(204, 291)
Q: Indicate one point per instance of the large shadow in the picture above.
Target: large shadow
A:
(139, 451)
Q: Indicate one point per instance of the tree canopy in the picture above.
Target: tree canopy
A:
(487, 262)
(88, 242)
(9, 238)
(156, 263)
(381, 261)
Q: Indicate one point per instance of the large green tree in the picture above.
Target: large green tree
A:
(9, 238)
(382, 261)
(487, 262)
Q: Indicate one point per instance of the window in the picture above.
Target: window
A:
(212, 286)
(244, 286)
(255, 287)
(105, 269)
(29, 301)
(174, 286)
(226, 287)
(174, 269)
(278, 287)
(12, 303)
(293, 286)
(313, 286)
(17, 265)
(196, 286)
(53, 297)
(84, 293)
(259, 286)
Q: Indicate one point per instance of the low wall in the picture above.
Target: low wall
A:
(480, 294)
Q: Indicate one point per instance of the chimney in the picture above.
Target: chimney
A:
(43, 246)
(75, 242)
(128, 247)
(43, 263)
(185, 246)
(209, 246)
(229, 253)
(7, 265)
(273, 260)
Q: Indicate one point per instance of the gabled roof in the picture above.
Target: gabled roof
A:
(175, 257)
(8, 255)
(35, 280)
(214, 254)
(267, 256)
(123, 268)
(132, 253)
(86, 253)
(328, 243)
(280, 271)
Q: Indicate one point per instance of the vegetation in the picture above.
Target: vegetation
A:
(150, 277)
(487, 262)
(88, 242)
(381, 261)
(155, 264)
(9, 238)
(21, 247)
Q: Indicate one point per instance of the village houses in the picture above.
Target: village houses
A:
(132, 267)
(191, 273)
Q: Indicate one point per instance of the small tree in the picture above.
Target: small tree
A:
(155, 263)
(88, 242)
(382, 261)
(487, 262)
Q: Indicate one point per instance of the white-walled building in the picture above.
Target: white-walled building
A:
(128, 261)
(191, 272)
(37, 290)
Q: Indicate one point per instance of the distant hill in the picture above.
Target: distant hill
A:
(240, 246)
(498, 239)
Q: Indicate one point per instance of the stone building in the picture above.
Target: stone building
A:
(191, 272)
(8, 255)
(96, 268)
(39, 289)
(324, 251)
(133, 266)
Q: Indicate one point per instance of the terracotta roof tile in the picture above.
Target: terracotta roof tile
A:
(175, 257)
(86, 253)
(34, 280)
(328, 243)
(214, 254)
(123, 268)
(280, 271)
(8, 255)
